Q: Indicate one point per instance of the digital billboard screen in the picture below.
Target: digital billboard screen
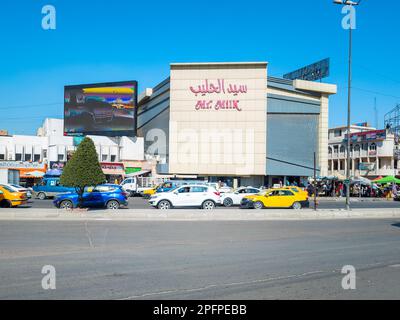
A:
(108, 109)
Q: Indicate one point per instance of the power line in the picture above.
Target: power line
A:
(32, 105)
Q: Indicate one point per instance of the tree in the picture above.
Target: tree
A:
(83, 169)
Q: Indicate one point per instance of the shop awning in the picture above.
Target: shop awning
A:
(137, 173)
(113, 172)
(26, 173)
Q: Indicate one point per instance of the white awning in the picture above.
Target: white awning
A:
(18, 148)
(61, 149)
(2, 149)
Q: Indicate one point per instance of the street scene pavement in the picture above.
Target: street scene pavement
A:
(323, 203)
(200, 260)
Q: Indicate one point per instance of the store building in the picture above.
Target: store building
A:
(33, 156)
(231, 122)
(373, 153)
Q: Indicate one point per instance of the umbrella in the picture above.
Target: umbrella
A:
(361, 180)
(388, 179)
(35, 174)
(54, 172)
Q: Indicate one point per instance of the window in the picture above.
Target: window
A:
(365, 146)
(198, 189)
(337, 133)
(113, 158)
(342, 149)
(372, 147)
(18, 157)
(251, 190)
(45, 153)
(184, 190)
(2, 156)
(104, 157)
(36, 157)
(60, 157)
(285, 193)
(28, 157)
(329, 150)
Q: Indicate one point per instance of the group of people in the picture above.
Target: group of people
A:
(331, 188)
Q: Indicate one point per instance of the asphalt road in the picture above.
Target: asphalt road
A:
(200, 260)
(140, 203)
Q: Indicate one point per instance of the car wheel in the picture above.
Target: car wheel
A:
(66, 204)
(296, 205)
(41, 196)
(208, 205)
(112, 205)
(258, 205)
(5, 204)
(164, 205)
(228, 202)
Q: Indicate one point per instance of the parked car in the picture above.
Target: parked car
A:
(172, 184)
(110, 196)
(234, 197)
(22, 189)
(146, 194)
(131, 186)
(201, 196)
(11, 197)
(50, 187)
(276, 198)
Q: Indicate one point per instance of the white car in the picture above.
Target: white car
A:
(233, 198)
(205, 197)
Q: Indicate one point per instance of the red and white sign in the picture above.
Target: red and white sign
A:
(209, 89)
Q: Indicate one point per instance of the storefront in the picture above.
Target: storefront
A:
(29, 172)
(231, 122)
(114, 171)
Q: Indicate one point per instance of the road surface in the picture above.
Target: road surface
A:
(200, 260)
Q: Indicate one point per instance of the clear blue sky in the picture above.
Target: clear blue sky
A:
(97, 41)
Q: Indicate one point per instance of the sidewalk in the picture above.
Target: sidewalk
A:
(195, 214)
(352, 199)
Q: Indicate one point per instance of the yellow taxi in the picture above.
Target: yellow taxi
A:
(296, 189)
(11, 197)
(276, 198)
(149, 192)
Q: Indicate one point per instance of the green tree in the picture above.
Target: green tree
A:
(83, 169)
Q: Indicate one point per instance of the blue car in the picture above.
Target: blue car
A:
(110, 196)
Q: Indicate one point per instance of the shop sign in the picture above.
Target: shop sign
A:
(21, 165)
(367, 136)
(208, 90)
(112, 166)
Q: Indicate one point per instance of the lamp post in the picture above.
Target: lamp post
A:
(348, 3)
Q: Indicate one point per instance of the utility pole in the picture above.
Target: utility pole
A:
(348, 3)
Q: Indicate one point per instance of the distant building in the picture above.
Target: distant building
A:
(34, 155)
(372, 152)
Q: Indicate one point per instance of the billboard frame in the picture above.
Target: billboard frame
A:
(128, 133)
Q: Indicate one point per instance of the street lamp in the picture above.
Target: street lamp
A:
(348, 3)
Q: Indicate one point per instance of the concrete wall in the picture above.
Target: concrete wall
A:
(208, 140)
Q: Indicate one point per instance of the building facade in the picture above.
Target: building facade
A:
(372, 152)
(50, 149)
(231, 122)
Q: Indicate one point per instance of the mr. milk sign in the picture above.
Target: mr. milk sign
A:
(207, 91)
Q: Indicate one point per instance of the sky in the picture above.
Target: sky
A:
(104, 41)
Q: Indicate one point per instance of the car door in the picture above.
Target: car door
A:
(247, 192)
(94, 198)
(197, 195)
(272, 199)
(181, 197)
(285, 199)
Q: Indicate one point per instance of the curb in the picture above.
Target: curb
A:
(197, 215)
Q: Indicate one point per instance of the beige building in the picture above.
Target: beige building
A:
(232, 122)
(372, 152)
